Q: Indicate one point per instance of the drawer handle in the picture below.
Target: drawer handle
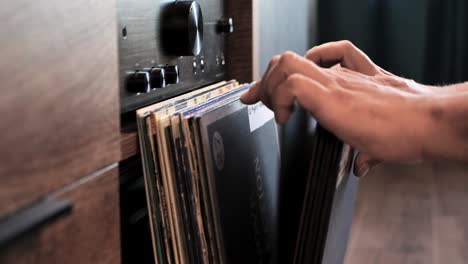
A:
(30, 218)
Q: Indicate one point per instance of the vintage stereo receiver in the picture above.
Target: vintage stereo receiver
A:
(169, 47)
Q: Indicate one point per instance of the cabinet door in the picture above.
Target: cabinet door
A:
(89, 233)
(59, 95)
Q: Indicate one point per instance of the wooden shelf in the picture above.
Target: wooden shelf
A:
(129, 145)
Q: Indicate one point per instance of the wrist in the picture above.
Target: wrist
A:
(432, 114)
(420, 127)
(446, 132)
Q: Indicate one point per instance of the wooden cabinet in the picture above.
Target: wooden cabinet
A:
(59, 95)
(89, 233)
(60, 129)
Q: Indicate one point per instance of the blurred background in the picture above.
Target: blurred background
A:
(405, 213)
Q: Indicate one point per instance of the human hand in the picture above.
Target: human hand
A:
(383, 122)
(348, 56)
(344, 53)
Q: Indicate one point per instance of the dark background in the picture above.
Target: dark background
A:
(425, 40)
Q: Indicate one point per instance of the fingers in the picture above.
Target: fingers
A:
(292, 74)
(288, 64)
(309, 93)
(279, 69)
(296, 87)
(363, 164)
(330, 53)
(344, 53)
(254, 93)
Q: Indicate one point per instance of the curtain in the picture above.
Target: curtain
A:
(425, 40)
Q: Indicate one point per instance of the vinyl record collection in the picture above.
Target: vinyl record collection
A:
(328, 168)
(212, 177)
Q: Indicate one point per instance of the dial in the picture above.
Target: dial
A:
(172, 74)
(138, 82)
(182, 28)
(157, 77)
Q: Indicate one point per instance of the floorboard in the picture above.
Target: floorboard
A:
(411, 214)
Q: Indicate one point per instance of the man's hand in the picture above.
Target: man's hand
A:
(343, 53)
(347, 55)
(375, 112)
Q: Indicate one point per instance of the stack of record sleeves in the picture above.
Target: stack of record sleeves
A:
(326, 182)
(213, 181)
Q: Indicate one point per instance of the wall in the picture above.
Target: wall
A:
(280, 26)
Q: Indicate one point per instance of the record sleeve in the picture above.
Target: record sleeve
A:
(324, 222)
(241, 150)
(160, 219)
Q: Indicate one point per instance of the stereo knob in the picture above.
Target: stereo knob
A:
(139, 82)
(157, 77)
(182, 28)
(225, 25)
(172, 74)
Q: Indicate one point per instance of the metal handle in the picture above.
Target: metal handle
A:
(28, 219)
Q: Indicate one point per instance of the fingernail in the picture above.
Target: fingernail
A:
(363, 170)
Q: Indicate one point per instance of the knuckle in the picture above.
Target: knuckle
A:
(310, 53)
(287, 57)
(347, 44)
(293, 80)
(274, 60)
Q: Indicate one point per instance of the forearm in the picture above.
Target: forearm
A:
(447, 137)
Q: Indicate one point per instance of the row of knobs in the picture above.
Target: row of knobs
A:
(154, 78)
(182, 31)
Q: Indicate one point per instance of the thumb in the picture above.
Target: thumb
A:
(363, 164)
(252, 95)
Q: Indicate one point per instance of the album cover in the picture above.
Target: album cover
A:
(154, 212)
(194, 147)
(186, 192)
(342, 211)
(323, 226)
(154, 186)
(158, 203)
(174, 195)
(241, 149)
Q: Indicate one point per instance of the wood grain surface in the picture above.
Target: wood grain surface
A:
(59, 101)
(89, 234)
(411, 214)
(129, 145)
(239, 50)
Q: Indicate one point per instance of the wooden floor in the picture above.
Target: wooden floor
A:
(411, 214)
